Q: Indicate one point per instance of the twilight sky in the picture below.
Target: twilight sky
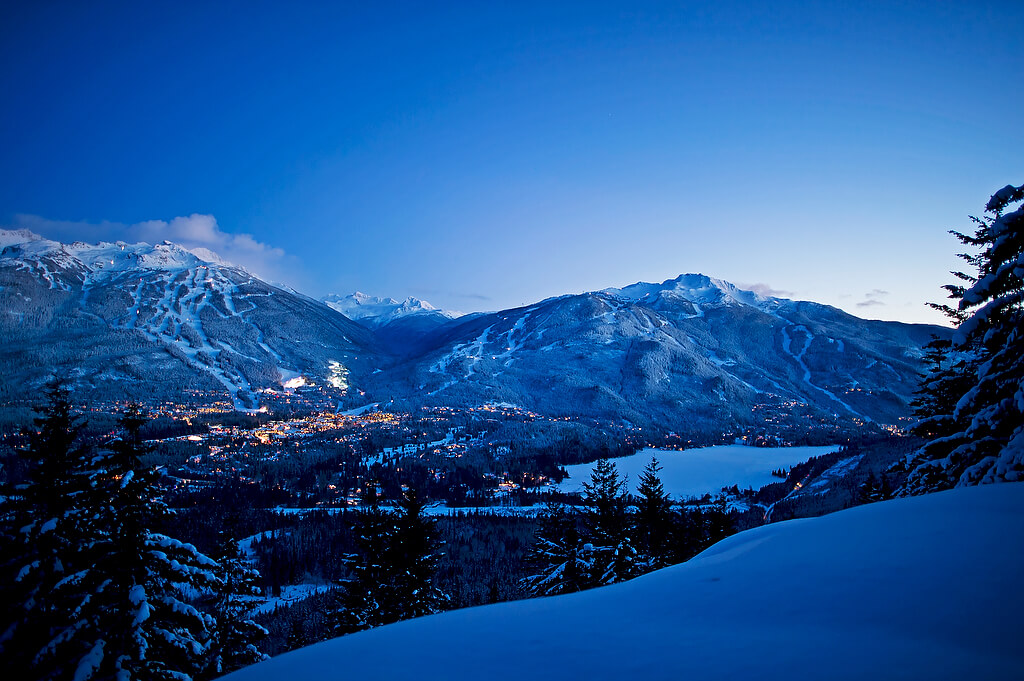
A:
(487, 157)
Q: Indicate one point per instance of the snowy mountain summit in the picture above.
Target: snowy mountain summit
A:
(688, 349)
(693, 352)
(376, 311)
(919, 588)
(131, 319)
(697, 289)
(85, 262)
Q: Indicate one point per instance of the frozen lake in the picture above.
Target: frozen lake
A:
(705, 470)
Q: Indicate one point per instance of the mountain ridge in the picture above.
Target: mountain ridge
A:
(619, 354)
(690, 349)
(161, 315)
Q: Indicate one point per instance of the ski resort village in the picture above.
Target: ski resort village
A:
(528, 341)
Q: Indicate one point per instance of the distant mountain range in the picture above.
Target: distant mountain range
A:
(134, 320)
(378, 312)
(691, 349)
(400, 327)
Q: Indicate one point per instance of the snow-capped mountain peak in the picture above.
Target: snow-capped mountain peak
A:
(101, 260)
(377, 311)
(10, 237)
(695, 288)
(171, 313)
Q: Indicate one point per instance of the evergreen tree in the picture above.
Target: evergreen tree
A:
(605, 495)
(695, 529)
(608, 524)
(718, 524)
(297, 637)
(153, 632)
(413, 553)
(572, 555)
(947, 378)
(46, 552)
(874, 489)
(982, 440)
(563, 557)
(688, 535)
(234, 636)
(653, 518)
(394, 573)
(358, 605)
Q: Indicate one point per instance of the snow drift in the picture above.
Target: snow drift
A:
(925, 587)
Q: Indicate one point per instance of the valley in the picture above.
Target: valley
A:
(148, 323)
(291, 423)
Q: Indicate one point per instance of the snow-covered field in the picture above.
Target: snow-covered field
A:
(706, 470)
(290, 594)
(919, 588)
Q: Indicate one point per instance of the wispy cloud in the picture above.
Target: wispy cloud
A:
(767, 290)
(194, 232)
(873, 298)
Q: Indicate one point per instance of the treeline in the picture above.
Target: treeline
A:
(617, 536)
(481, 558)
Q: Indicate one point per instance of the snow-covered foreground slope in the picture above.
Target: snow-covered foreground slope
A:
(704, 470)
(927, 587)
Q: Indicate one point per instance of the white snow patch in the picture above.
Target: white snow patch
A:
(338, 376)
(821, 484)
(290, 594)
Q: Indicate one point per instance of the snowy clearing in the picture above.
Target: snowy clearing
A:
(290, 595)
(926, 587)
(706, 470)
(837, 472)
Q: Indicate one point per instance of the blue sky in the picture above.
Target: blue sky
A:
(486, 157)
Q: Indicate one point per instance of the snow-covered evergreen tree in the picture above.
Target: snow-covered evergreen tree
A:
(153, 631)
(605, 495)
(234, 636)
(615, 558)
(572, 553)
(564, 558)
(946, 380)
(358, 604)
(48, 539)
(874, 489)
(394, 573)
(984, 437)
(413, 557)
